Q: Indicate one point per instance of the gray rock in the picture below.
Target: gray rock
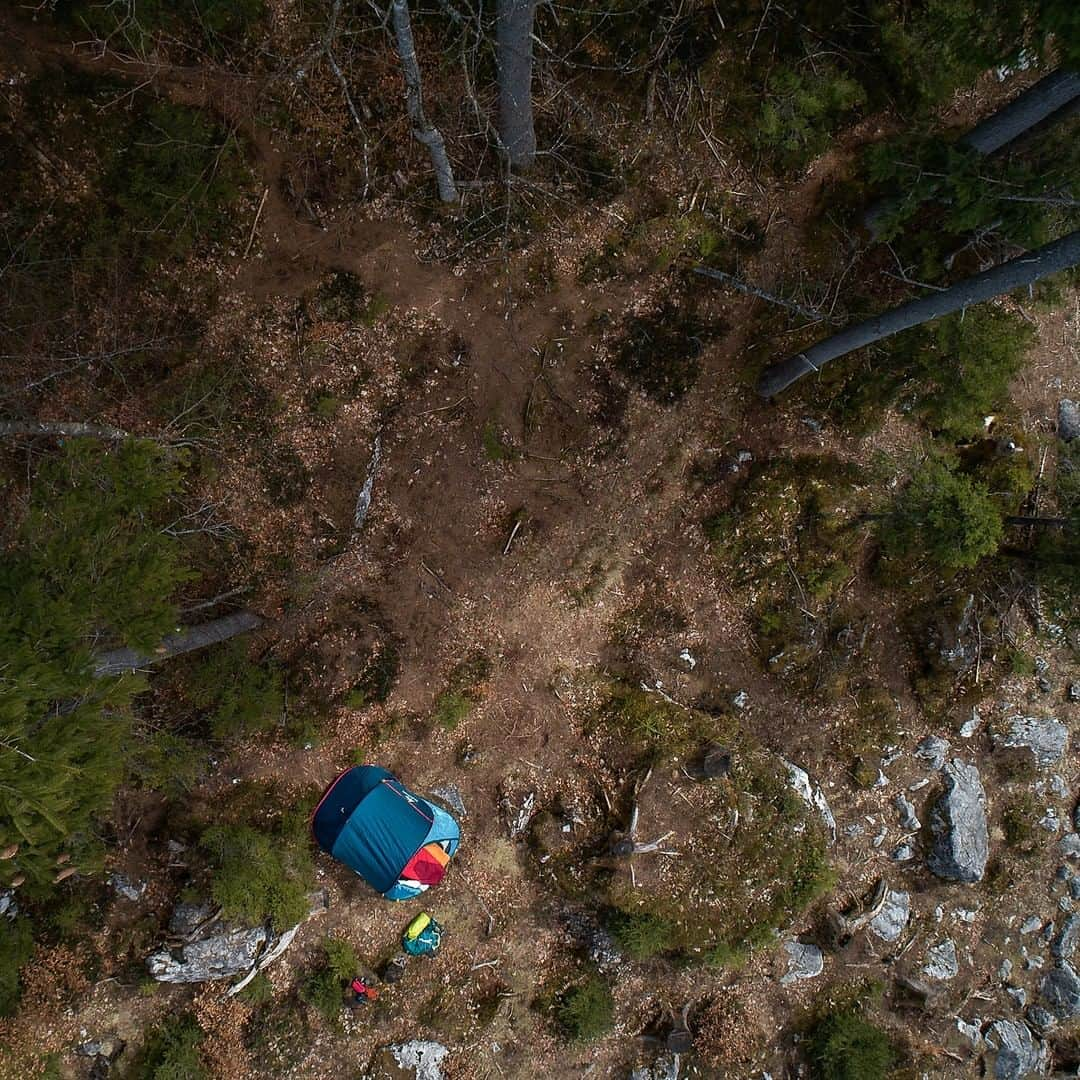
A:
(1016, 1052)
(804, 962)
(1018, 994)
(1076, 817)
(888, 924)
(1044, 736)
(970, 1030)
(1068, 420)
(811, 794)
(595, 940)
(1060, 989)
(941, 962)
(1044, 684)
(902, 853)
(1064, 873)
(1073, 692)
(451, 795)
(1074, 888)
(741, 700)
(971, 725)
(8, 906)
(1064, 944)
(932, 751)
(958, 821)
(1040, 1019)
(187, 918)
(1069, 845)
(1050, 822)
(422, 1057)
(665, 1067)
(220, 955)
(908, 818)
(1030, 924)
(128, 889)
(110, 1048)
(1005, 970)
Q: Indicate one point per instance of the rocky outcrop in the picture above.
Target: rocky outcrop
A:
(1060, 991)
(804, 962)
(888, 924)
(1016, 1053)
(811, 794)
(1044, 736)
(958, 821)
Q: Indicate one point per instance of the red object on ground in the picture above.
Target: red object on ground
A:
(427, 866)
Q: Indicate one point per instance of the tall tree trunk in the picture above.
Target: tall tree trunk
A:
(1049, 100)
(423, 130)
(1014, 274)
(514, 59)
(195, 637)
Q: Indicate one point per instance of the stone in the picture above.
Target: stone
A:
(941, 962)
(1016, 1053)
(8, 906)
(741, 700)
(1030, 924)
(1074, 888)
(804, 962)
(1042, 665)
(1018, 994)
(130, 890)
(422, 1057)
(971, 725)
(1044, 684)
(1065, 941)
(932, 751)
(1064, 873)
(1044, 736)
(1068, 420)
(888, 924)
(716, 763)
(908, 818)
(902, 853)
(665, 1067)
(220, 955)
(598, 944)
(811, 794)
(1073, 692)
(1060, 990)
(1069, 845)
(451, 795)
(1076, 817)
(1040, 1019)
(971, 1031)
(1005, 970)
(110, 1047)
(958, 821)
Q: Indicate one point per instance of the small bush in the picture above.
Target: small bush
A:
(240, 696)
(586, 1011)
(451, 710)
(16, 948)
(942, 516)
(324, 988)
(641, 934)
(260, 991)
(258, 875)
(171, 1052)
(651, 722)
(845, 1046)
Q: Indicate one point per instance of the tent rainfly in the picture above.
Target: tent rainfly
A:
(397, 842)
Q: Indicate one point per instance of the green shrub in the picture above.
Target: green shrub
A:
(16, 948)
(377, 677)
(240, 696)
(587, 1010)
(844, 1046)
(323, 989)
(641, 934)
(89, 566)
(649, 721)
(171, 1052)
(801, 108)
(451, 710)
(944, 517)
(258, 992)
(258, 875)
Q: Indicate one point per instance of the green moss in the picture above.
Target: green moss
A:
(641, 934)
(451, 710)
(495, 449)
(586, 1010)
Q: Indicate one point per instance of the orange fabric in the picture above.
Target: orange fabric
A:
(427, 866)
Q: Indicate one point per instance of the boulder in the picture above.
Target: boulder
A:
(450, 794)
(1016, 1052)
(420, 1058)
(1068, 420)
(1060, 991)
(932, 751)
(941, 962)
(888, 924)
(804, 962)
(130, 890)
(1064, 944)
(1044, 736)
(221, 954)
(958, 821)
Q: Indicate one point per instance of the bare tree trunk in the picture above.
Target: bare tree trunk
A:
(60, 428)
(514, 59)
(1049, 100)
(1014, 274)
(195, 637)
(424, 132)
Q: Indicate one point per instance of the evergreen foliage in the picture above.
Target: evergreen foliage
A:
(943, 516)
(16, 948)
(171, 1052)
(260, 874)
(241, 697)
(642, 934)
(88, 565)
(586, 1010)
(323, 989)
(844, 1046)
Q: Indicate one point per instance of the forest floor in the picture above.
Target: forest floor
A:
(525, 504)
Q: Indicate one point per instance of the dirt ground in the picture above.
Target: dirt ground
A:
(531, 556)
